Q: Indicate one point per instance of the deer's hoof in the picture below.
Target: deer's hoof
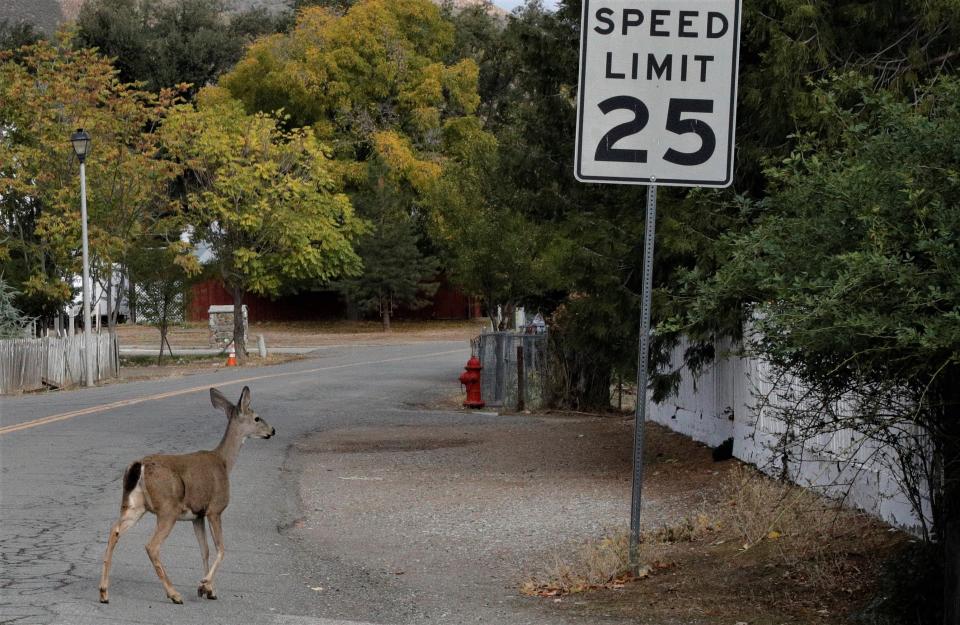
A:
(176, 599)
(103, 596)
(206, 591)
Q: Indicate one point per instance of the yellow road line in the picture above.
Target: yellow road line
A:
(186, 391)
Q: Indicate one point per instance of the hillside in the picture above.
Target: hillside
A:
(48, 14)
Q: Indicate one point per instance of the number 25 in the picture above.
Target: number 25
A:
(641, 115)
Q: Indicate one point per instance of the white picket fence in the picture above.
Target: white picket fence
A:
(736, 397)
(32, 364)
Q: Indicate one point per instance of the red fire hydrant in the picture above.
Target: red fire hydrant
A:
(471, 379)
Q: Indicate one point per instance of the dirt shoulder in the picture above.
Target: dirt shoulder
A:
(475, 510)
(309, 334)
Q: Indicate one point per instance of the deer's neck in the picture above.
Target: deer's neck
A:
(229, 446)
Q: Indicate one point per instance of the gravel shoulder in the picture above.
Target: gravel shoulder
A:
(447, 519)
(441, 516)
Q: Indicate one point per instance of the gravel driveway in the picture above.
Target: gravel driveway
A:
(442, 513)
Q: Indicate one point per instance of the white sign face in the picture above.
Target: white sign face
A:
(658, 92)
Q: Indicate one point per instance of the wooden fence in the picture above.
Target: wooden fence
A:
(32, 364)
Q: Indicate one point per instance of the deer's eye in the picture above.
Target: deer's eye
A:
(257, 419)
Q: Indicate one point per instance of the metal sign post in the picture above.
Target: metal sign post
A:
(643, 361)
(656, 106)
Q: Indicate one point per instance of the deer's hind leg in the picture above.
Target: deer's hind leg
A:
(165, 523)
(132, 508)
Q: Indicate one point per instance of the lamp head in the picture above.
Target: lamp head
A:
(81, 143)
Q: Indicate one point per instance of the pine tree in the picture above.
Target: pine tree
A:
(13, 323)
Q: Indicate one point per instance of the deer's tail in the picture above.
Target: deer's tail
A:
(130, 479)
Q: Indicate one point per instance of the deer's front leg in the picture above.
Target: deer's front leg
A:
(206, 584)
(165, 524)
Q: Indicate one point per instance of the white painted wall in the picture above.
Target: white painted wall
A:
(724, 402)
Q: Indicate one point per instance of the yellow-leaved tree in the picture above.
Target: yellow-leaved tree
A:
(47, 90)
(379, 85)
(267, 202)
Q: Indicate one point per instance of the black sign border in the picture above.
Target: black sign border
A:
(659, 181)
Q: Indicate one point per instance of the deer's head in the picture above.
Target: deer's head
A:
(241, 415)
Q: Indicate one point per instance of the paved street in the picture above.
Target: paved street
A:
(61, 486)
(375, 503)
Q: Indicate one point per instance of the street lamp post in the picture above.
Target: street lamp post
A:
(81, 147)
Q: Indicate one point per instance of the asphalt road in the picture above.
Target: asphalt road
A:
(62, 456)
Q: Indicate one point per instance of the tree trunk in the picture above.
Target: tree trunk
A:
(132, 301)
(951, 496)
(592, 386)
(110, 302)
(162, 325)
(238, 340)
(385, 313)
(163, 339)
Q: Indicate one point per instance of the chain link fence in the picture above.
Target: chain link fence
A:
(500, 377)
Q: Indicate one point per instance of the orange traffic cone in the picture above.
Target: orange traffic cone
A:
(232, 358)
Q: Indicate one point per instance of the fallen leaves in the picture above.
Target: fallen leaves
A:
(618, 582)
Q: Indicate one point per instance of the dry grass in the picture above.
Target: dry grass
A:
(810, 536)
(309, 333)
(754, 524)
(597, 564)
(604, 562)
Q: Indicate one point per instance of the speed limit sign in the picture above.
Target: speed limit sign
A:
(658, 89)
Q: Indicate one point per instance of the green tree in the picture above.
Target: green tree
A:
(593, 235)
(489, 249)
(165, 44)
(378, 84)
(267, 201)
(15, 35)
(46, 91)
(13, 323)
(397, 272)
(161, 283)
(849, 275)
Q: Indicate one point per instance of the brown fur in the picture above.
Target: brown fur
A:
(194, 486)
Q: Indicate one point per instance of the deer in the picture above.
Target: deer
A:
(185, 487)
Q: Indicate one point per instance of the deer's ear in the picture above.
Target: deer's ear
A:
(244, 402)
(219, 401)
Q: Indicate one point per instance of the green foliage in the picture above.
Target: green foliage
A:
(46, 92)
(164, 44)
(531, 234)
(851, 266)
(267, 201)
(378, 84)
(15, 35)
(161, 287)
(395, 270)
(850, 277)
(13, 323)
